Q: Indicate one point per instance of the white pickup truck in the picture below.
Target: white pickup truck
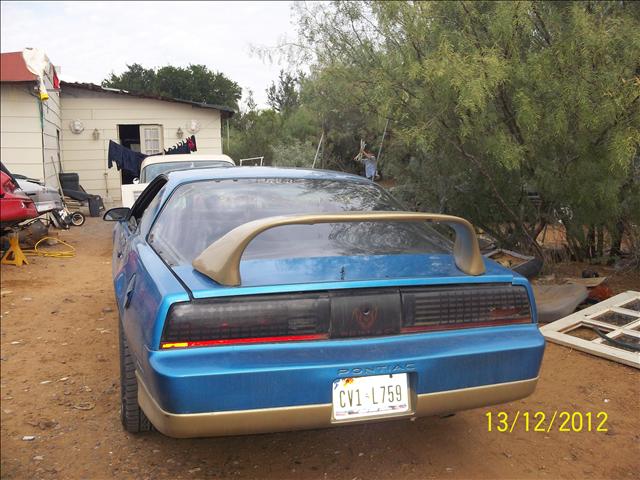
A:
(155, 165)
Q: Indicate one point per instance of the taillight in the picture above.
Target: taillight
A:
(8, 186)
(343, 314)
(246, 320)
(464, 306)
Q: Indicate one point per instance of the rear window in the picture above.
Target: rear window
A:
(152, 171)
(199, 213)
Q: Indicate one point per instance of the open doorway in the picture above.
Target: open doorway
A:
(145, 138)
(129, 136)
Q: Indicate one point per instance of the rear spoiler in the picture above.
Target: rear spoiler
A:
(220, 261)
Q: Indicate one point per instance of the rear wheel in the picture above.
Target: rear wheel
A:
(133, 418)
(77, 219)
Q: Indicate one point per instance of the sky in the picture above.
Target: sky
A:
(89, 40)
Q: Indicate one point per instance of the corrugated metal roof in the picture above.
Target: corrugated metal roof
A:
(13, 68)
(227, 111)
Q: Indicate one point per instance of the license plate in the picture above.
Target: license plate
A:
(370, 396)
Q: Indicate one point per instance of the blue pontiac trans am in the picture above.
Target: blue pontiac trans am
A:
(265, 299)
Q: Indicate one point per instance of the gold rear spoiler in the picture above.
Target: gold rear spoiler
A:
(220, 261)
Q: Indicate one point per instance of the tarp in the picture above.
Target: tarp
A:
(37, 63)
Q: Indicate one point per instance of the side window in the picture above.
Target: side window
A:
(149, 196)
(150, 211)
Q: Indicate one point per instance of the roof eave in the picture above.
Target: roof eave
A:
(225, 112)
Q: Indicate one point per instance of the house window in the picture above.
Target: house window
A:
(151, 139)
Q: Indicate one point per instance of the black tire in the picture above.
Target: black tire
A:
(77, 219)
(133, 418)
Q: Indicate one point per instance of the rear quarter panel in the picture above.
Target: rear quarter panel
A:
(155, 288)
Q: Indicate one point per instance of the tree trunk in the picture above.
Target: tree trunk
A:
(616, 239)
(589, 246)
(600, 241)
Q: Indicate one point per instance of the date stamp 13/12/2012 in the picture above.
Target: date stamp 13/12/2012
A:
(561, 421)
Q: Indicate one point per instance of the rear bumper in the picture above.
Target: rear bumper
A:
(265, 420)
(271, 376)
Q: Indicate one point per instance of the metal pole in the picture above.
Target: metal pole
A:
(317, 150)
(382, 141)
(228, 140)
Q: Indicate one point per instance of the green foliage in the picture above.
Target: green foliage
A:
(195, 82)
(293, 154)
(489, 102)
(253, 133)
(287, 136)
(283, 97)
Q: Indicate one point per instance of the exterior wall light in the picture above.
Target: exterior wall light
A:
(76, 126)
(194, 126)
(96, 134)
(179, 133)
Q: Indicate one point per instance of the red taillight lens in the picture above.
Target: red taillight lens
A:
(244, 341)
(8, 186)
(246, 320)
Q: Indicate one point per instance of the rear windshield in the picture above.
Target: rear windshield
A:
(199, 213)
(152, 171)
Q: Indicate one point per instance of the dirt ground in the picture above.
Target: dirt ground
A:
(60, 385)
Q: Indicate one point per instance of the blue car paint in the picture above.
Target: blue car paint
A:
(154, 298)
(301, 373)
(278, 273)
(155, 288)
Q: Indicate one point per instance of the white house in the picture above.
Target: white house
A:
(72, 134)
(30, 128)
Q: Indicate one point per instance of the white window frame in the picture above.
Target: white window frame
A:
(150, 133)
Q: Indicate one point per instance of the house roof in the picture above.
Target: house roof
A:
(13, 68)
(227, 112)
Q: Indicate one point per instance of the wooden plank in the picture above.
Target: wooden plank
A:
(20, 124)
(600, 350)
(21, 139)
(12, 156)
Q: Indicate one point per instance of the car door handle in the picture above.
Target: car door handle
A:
(129, 293)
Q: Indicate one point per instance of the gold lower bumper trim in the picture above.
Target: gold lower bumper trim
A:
(265, 420)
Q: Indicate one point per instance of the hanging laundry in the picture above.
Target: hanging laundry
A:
(191, 141)
(185, 146)
(124, 158)
(180, 148)
(56, 80)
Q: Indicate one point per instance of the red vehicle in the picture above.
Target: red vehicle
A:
(15, 205)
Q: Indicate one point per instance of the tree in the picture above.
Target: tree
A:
(283, 97)
(195, 82)
(495, 101)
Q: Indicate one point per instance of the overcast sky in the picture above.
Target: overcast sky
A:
(89, 40)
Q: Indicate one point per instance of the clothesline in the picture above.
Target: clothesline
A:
(130, 161)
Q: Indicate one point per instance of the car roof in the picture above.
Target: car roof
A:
(186, 176)
(186, 157)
